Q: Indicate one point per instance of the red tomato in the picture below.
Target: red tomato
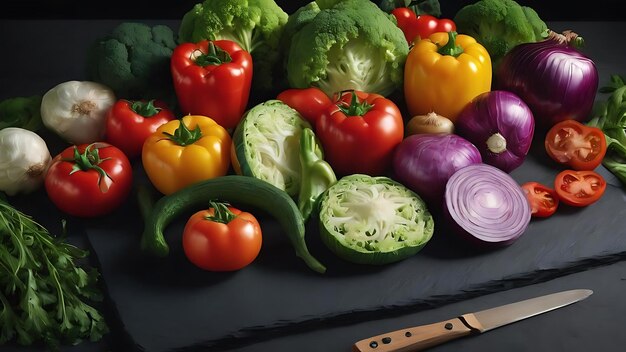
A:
(224, 240)
(89, 180)
(579, 188)
(359, 133)
(309, 102)
(423, 25)
(129, 123)
(543, 200)
(405, 19)
(578, 146)
(428, 25)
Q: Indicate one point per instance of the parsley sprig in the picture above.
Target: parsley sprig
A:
(44, 293)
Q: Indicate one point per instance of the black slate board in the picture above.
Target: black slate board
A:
(170, 305)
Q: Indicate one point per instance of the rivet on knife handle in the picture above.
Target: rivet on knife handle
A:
(415, 338)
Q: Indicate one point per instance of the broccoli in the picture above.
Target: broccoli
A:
(256, 25)
(134, 61)
(348, 44)
(499, 25)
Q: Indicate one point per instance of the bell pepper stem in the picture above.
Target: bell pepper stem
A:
(317, 174)
(451, 48)
(215, 56)
(183, 136)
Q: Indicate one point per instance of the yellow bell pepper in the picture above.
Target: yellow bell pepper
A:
(444, 72)
(177, 155)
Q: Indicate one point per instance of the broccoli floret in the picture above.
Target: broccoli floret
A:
(297, 20)
(499, 25)
(256, 25)
(134, 61)
(349, 44)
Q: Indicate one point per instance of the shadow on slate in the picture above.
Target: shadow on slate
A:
(169, 305)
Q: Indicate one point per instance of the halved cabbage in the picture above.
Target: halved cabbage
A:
(373, 220)
(266, 145)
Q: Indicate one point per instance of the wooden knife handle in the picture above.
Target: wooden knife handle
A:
(414, 339)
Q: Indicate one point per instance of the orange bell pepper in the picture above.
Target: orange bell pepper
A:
(186, 151)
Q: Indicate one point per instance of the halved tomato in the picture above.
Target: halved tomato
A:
(576, 145)
(579, 188)
(543, 200)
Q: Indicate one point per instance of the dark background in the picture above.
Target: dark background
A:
(175, 9)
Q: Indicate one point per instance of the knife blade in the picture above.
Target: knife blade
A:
(425, 336)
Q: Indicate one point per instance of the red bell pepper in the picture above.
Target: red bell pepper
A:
(212, 78)
(309, 102)
(359, 133)
(423, 25)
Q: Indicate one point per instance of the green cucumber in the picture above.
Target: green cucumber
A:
(231, 188)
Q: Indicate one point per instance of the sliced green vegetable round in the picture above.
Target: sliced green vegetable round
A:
(267, 145)
(373, 220)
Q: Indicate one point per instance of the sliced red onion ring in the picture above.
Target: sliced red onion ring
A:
(486, 205)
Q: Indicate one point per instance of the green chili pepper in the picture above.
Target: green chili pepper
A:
(316, 174)
(238, 189)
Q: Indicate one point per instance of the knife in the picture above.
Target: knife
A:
(422, 337)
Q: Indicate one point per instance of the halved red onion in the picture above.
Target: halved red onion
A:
(486, 205)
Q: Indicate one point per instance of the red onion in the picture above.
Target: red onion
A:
(486, 205)
(424, 162)
(500, 125)
(557, 82)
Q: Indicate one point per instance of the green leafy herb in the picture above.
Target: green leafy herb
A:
(610, 117)
(21, 112)
(44, 293)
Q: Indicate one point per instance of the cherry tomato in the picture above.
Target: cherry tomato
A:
(222, 238)
(428, 25)
(405, 19)
(130, 123)
(423, 25)
(309, 102)
(89, 180)
(543, 200)
(575, 145)
(579, 188)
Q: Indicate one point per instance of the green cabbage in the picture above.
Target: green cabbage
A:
(267, 144)
(373, 220)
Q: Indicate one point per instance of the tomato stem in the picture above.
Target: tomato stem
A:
(221, 213)
(355, 108)
(215, 56)
(145, 109)
(451, 48)
(90, 160)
